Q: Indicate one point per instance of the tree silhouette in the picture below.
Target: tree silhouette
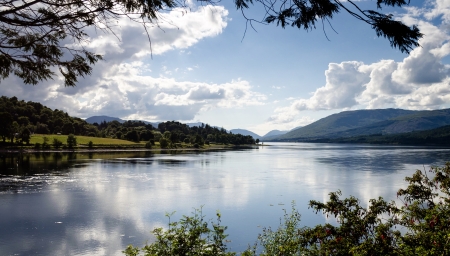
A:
(34, 34)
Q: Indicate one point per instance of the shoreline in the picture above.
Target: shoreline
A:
(125, 149)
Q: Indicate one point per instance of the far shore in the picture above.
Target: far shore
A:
(126, 149)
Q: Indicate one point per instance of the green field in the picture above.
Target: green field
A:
(82, 140)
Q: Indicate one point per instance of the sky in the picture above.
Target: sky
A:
(204, 66)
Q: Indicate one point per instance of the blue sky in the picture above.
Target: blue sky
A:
(204, 70)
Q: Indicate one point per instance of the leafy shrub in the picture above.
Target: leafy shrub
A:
(57, 143)
(71, 141)
(163, 143)
(37, 145)
(148, 145)
(189, 236)
(90, 144)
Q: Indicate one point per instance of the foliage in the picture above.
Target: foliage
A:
(305, 14)
(192, 235)
(71, 141)
(32, 34)
(20, 115)
(57, 143)
(282, 241)
(90, 144)
(163, 143)
(420, 226)
(45, 144)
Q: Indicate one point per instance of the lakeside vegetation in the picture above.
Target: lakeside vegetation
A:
(29, 123)
(420, 225)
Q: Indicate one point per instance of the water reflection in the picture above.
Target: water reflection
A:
(96, 204)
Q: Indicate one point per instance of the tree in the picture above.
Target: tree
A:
(5, 125)
(163, 143)
(306, 13)
(32, 32)
(56, 143)
(71, 141)
(132, 136)
(25, 135)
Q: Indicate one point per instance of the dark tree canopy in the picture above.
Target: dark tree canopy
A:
(306, 13)
(34, 33)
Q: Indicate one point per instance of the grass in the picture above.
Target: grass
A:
(82, 140)
(104, 143)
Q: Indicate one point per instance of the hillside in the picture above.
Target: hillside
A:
(245, 133)
(367, 122)
(343, 121)
(437, 137)
(99, 119)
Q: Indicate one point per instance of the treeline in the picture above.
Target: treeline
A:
(20, 119)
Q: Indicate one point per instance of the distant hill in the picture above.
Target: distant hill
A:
(366, 122)
(99, 119)
(245, 133)
(274, 133)
(437, 137)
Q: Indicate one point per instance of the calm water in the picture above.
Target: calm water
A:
(96, 204)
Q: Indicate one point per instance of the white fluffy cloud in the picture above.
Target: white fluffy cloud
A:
(121, 85)
(420, 81)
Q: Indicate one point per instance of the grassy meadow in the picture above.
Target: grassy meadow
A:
(83, 140)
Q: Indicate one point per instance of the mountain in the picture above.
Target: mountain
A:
(438, 136)
(245, 133)
(273, 135)
(366, 122)
(99, 119)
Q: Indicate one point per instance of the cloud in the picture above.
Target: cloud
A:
(343, 82)
(123, 85)
(419, 81)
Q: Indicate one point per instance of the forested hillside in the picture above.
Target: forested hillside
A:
(20, 119)
(436, 137)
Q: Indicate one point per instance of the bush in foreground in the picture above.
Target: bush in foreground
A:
(423, 217)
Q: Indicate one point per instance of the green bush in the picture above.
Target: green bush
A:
(189, 236)
(90, 144)
(57, 143)
(164, 143)
(71, 141)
